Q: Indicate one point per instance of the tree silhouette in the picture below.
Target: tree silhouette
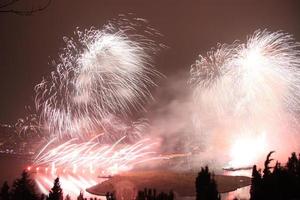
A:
(4, 195)
(268, 160)
(256, 181)
(56, 192)
(293, 174)
(9, 6)
(23, 188)
(80, 196)
(293, 164)
(281, 183)
(206, 187)
(150, 194)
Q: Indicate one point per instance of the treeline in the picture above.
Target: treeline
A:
(206, 189)
(24, 189)
(206, 186)
(281, 182)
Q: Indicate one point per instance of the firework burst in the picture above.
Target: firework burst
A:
(249, 89)
(100, 73)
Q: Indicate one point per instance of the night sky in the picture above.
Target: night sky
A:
(29, 43)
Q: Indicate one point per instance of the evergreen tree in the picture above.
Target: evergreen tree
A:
(293, 173)
(165, 196)
(206, 187)
(23, 188)
(256, 182)
(267, 168)
(149, 194)
(281, 183)
(293, 164)
(4, 195)
(56, 192)
(80, 196)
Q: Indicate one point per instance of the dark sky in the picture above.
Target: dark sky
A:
(28, 44)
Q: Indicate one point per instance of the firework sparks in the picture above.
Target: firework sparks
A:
(100, 73)
(116, 128)
(72, 184)
(25, 126)
(249, 89)
(102, 76)
(93, 157)
(78, 163)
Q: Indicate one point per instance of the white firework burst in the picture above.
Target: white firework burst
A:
(248, 89)
(100, 73)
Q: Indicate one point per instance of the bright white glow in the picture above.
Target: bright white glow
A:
(252, 86)
(72, 184)
(247, 149)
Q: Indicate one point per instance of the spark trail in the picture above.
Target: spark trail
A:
(90, 156)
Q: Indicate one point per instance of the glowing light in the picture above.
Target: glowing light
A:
(254, 86)
(72, 184)
(247, 149)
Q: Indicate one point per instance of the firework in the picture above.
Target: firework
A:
(100, 73)
(72, 184)
(249, 90)
(27, 126)
(74, 156)
(115, 128)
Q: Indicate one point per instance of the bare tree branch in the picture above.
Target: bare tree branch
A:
(8, 3)
(4, 9)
